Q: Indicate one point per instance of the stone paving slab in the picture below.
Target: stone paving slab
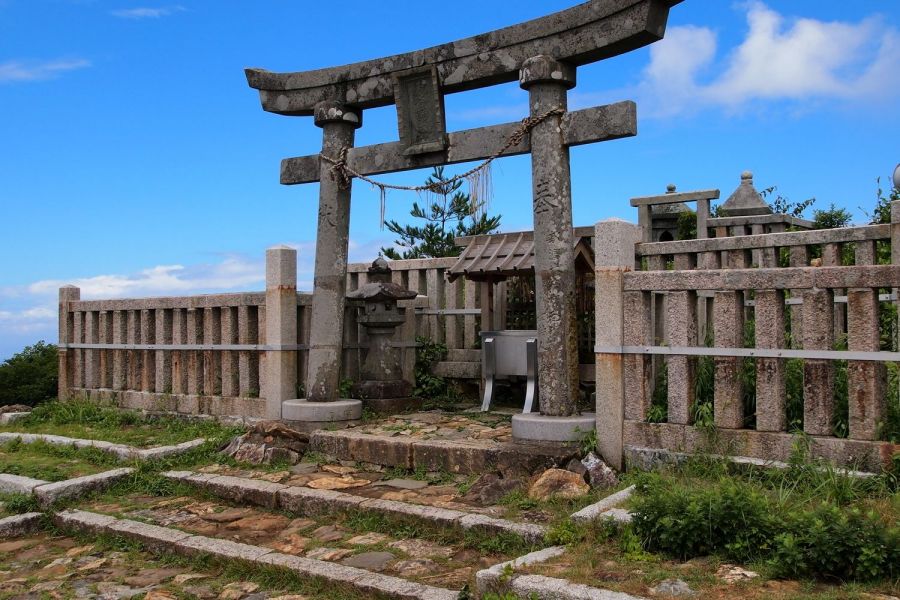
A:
(17, 484)
(17, 525)
(310, 502)
(365, 581)
(49, 493)
(239, 489)
(433, 514)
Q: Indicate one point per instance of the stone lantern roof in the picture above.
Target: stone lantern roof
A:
(745, 201)
(669, 208)
(378, 291)
(380, 286)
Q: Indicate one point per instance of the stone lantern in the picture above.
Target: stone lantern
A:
(382, 386)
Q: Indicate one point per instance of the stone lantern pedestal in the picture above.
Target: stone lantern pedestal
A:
(382, 387)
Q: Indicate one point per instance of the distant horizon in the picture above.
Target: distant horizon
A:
(139, 163)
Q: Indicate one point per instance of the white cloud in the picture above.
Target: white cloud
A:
(233, 272)
(29, 312)
(28, 320)
(13, 71)
(797, 60)
(146, 13)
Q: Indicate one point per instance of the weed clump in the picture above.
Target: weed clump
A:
(795, 536)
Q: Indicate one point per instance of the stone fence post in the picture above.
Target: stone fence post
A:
(281, 329)
(67, 294)
(614, 242)
(895, 259)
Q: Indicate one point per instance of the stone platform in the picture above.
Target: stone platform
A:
(456, 443)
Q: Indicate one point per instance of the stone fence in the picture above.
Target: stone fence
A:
(242, 354)
(750, 308)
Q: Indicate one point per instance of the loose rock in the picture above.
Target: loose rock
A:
(733, 574)
(599, 474)
(558, 483)
(370, 561)
(337, 483)
(268, 441)
(672, 587)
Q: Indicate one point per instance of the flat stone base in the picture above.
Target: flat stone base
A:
(538, 427)
(392, 406)
(466, 456)
(308, 416)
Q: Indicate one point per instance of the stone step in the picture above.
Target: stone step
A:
(312, 503)
(49, 493)
(166, 539)
(121, 451)
(466, 457)
(457, 369)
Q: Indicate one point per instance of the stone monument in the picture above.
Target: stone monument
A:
(543, 55)
(382, 387)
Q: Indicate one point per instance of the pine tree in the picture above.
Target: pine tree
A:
(450, 215)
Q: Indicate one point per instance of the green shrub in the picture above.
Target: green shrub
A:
(429, 385)
(730, 518)
(835, 543)
(30, 376)
(740, 522)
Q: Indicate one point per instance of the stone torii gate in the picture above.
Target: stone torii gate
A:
(543, 54)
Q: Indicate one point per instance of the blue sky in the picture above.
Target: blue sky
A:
(135, 161)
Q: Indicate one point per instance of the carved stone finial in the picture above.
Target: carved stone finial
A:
(380, 271)
(745, 201)
(670, 189)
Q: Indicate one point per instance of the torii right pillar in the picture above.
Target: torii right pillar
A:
(547, 82)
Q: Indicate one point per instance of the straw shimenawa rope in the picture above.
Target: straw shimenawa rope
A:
(479, 183)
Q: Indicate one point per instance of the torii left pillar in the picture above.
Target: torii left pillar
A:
(547, 82)
(322, 405)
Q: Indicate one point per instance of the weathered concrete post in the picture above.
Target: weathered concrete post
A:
(547, 81)
(338, 125)
(281, 328)
(67, 293)
(326, 334)
(614, 242)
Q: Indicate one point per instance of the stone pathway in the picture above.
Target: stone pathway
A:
(332, 538)
(47, 566)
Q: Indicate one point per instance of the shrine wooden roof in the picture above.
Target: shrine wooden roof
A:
(501, 255)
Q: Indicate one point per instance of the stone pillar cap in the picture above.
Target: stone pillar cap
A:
(546, 69)
(745, 201)
(336, 112)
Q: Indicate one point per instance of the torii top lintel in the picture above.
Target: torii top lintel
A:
(585, 33)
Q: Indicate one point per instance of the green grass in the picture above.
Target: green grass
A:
(86, 419)
(40, 460)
